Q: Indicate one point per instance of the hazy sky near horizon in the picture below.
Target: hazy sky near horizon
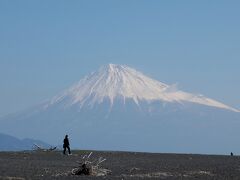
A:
(46, 46)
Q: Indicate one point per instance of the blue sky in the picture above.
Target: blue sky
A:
(46, 46)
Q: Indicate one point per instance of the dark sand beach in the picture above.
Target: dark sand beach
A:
(123, 165)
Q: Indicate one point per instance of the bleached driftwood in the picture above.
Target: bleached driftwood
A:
(39, 148)
(90, 167)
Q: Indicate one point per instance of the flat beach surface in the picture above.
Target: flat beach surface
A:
(124, 165)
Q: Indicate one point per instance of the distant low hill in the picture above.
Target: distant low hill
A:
(10, 143)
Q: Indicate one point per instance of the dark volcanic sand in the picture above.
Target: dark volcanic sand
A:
(124, 165)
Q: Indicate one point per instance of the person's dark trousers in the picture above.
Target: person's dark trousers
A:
(64, 150)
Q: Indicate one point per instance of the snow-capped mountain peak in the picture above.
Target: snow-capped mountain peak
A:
(120, 81)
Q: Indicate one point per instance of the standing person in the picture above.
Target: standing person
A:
(66, 145)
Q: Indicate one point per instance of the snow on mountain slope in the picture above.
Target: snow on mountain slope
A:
(114, 81)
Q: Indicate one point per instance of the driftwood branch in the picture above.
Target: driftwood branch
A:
(39, 148)
(90, 167)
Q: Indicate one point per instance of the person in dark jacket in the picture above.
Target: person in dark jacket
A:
(66, 145)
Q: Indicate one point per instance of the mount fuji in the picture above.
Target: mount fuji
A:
(119, 108)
